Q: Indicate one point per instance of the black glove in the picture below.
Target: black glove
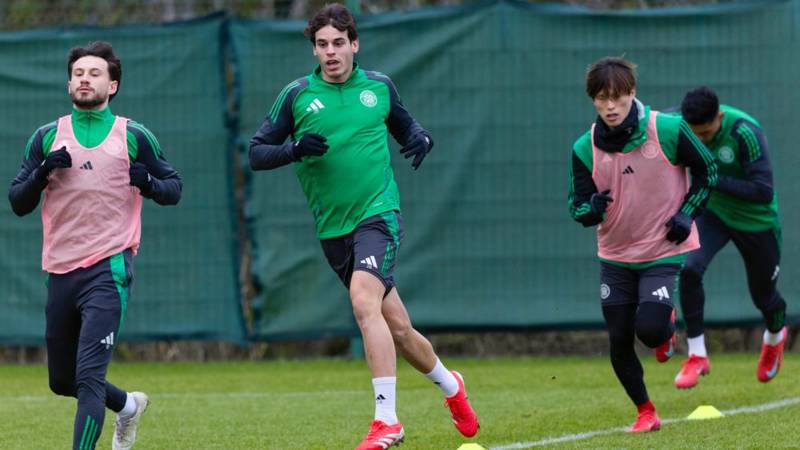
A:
(418, 146)
(311, 144)
(140, 177)
(599, 202)
(680, 225)
(59, 159)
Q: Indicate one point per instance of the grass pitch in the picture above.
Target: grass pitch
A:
(328, 405)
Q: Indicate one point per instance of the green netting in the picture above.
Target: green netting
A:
(489, 242)
(186, 272)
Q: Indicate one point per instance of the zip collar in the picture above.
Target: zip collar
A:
(355, 75)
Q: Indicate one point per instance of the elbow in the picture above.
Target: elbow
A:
(764, 194)
(20, 210)
(253, 157)
(17, 206)
(588, 220)
(176, 197)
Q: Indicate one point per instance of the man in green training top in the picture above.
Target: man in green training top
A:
(338, 118)
(744, 209)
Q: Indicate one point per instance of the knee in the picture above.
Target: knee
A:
(652, 336)
(63, 386)
(653, 333)
(401, 332)
(365, 304)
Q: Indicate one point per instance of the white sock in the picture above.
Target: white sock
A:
(385, 399)
(444, 379)
(130, 406)
(697, 346)
(773, 338)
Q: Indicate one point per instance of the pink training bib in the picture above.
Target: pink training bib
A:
(90, 210)
(647, 191)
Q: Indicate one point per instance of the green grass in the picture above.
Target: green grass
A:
(328, 405)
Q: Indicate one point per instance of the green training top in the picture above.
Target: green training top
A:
(353, 180)
(738, 144)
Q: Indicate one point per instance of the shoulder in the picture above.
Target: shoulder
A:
(583, 142)
(294, 87)
(139, 131)
(736, 116)
(42, 138)
(140, 137)
(669, 121)
(287, 95)
(382, 79)
(374, 75)
(669, 126)
(582, 147)
(45, 129)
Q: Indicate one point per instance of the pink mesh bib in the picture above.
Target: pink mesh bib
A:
(90, 210)
(647, 190)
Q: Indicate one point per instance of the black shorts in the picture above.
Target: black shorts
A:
(371, 247)
(621, 286)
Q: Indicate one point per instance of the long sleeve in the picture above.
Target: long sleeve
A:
(267, 150)
(693, 154)
(166, 187)
(267, 147)
(400, 123)
(757, 184)
(581, 188)
(26, 189)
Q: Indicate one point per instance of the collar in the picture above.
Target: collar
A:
(354, 75)
(91, 115)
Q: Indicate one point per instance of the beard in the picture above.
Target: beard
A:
(88, 101)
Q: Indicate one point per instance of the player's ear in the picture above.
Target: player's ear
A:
(355, 45)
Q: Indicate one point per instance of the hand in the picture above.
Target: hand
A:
(311, 144)
(140, 177)
(59, 159)
(418, 146)
(599, 202)
(680, 225)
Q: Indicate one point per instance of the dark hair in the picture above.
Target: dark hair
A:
(335, 15)
(700, 106)
(99, 49)
(613, 75)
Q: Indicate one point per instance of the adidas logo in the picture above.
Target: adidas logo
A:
(87, 166)
(315, 106)
(370, 262)
(628, 169)
(108, 341)
(380, 398)
(661, 293)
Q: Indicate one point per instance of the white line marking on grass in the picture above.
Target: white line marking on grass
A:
(590, 434)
